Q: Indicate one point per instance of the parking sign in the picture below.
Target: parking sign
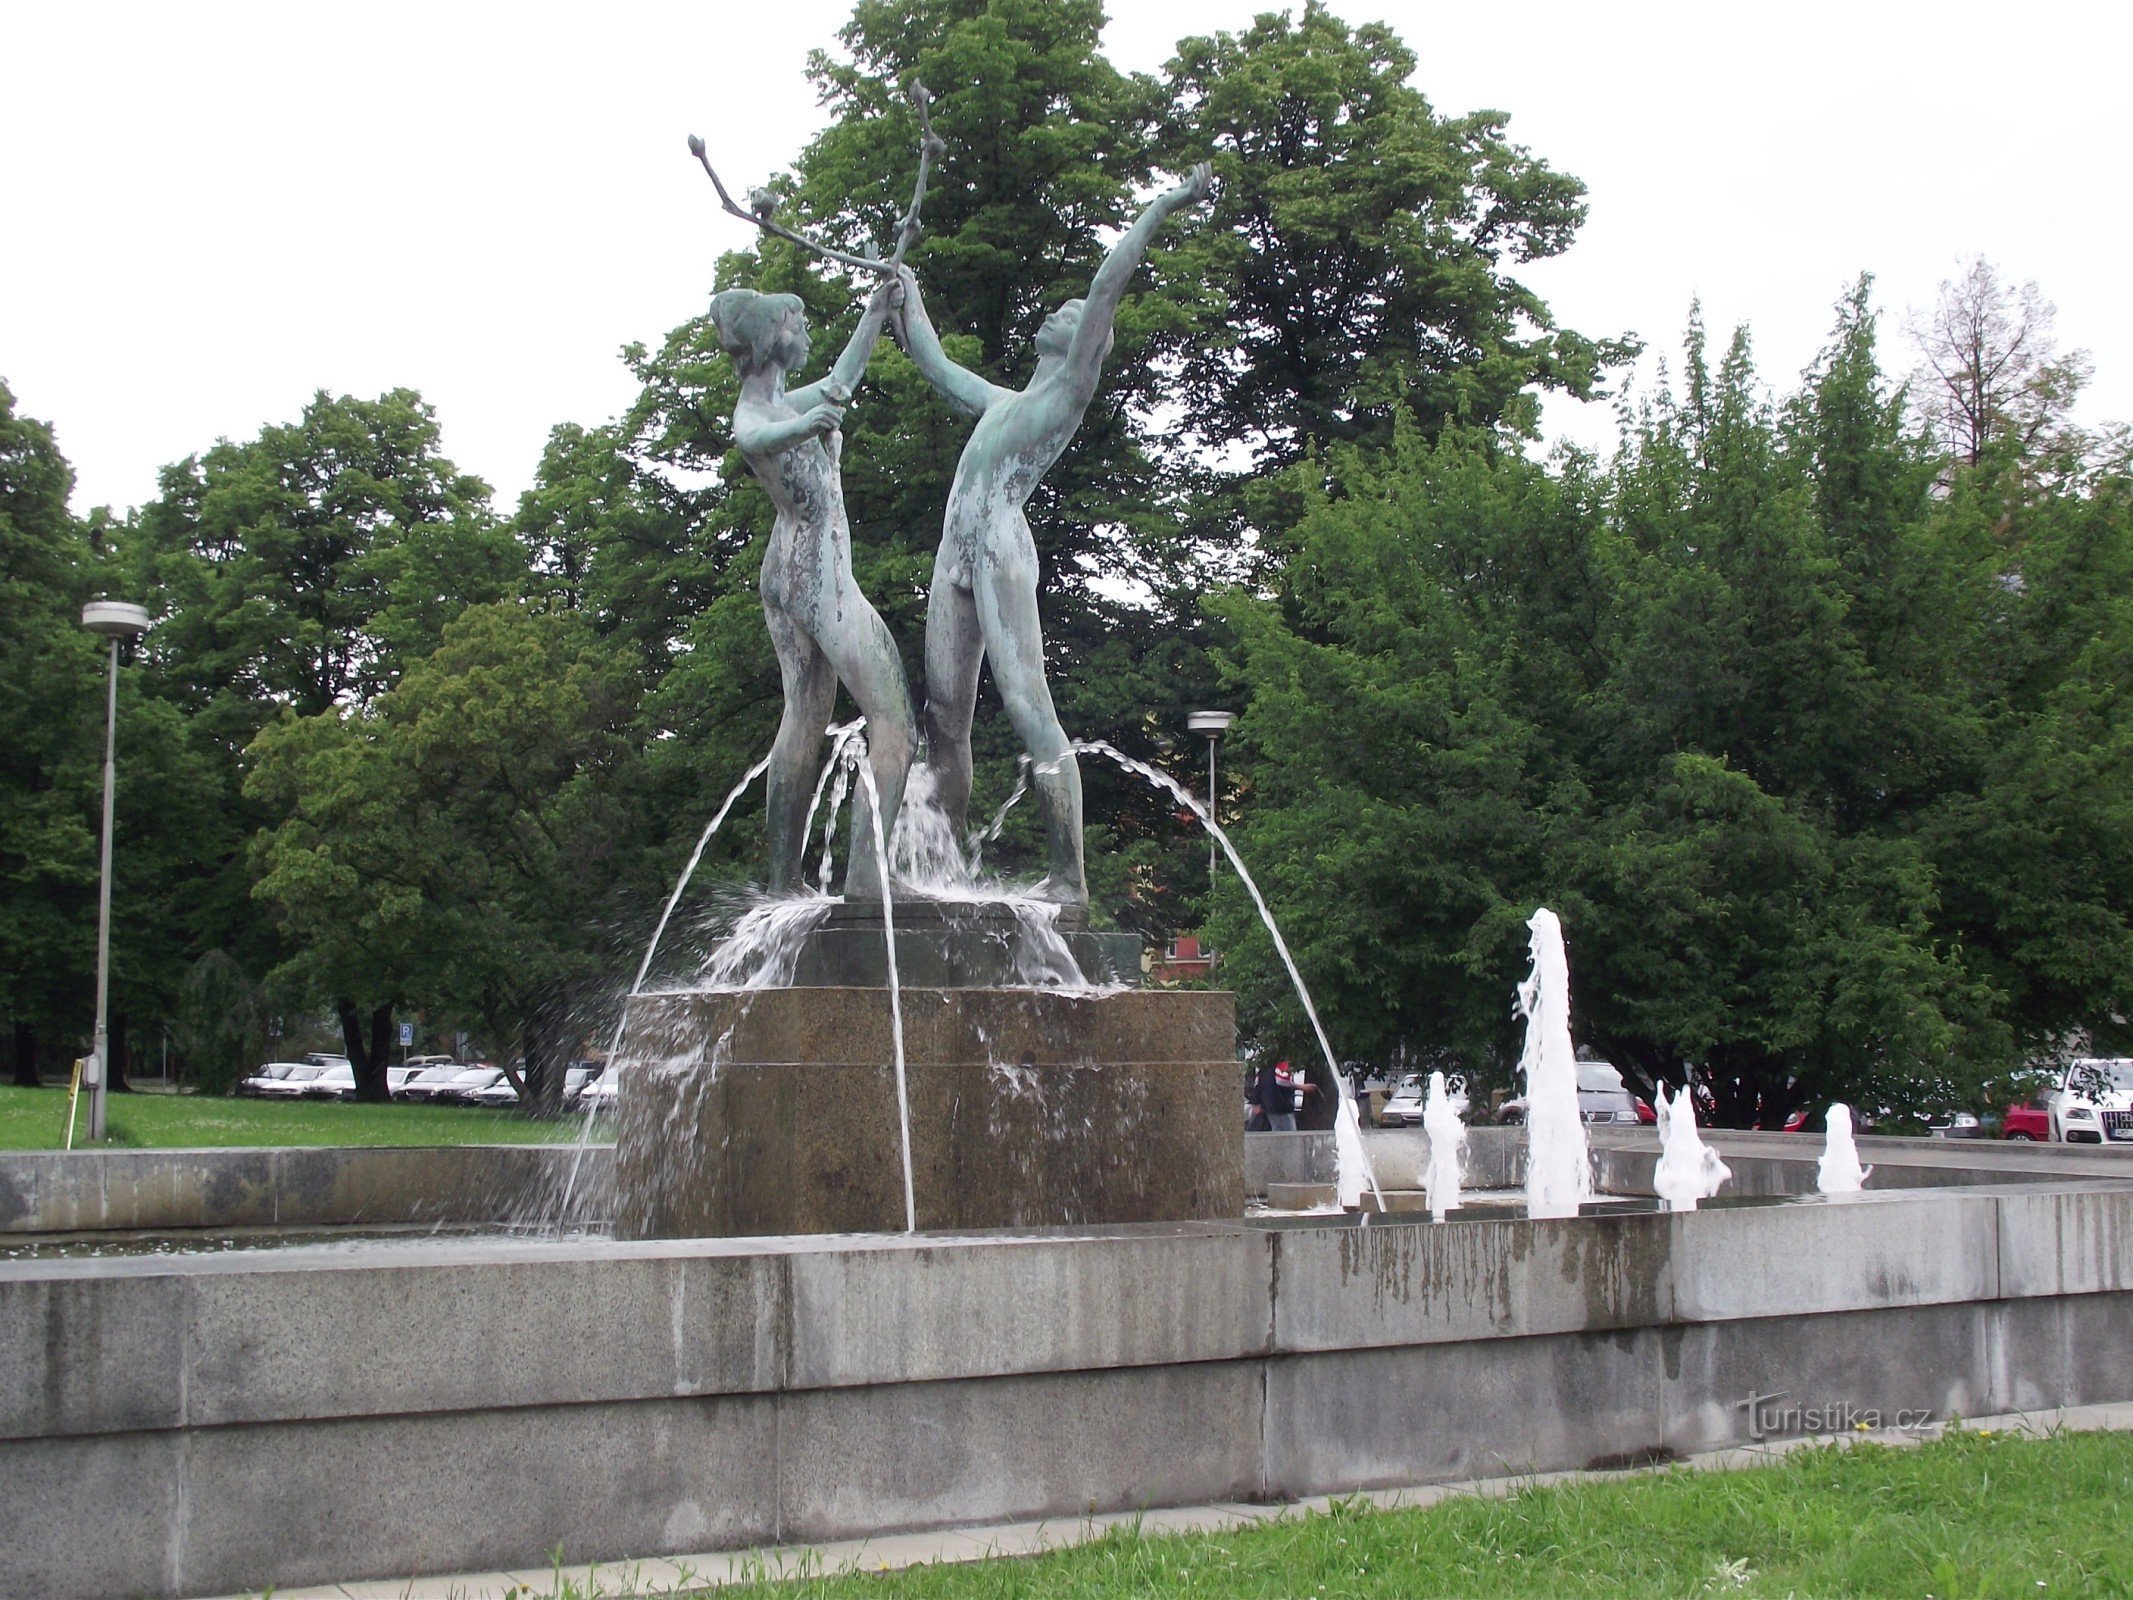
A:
(407, 1034)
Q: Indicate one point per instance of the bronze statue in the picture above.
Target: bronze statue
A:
(984, 598)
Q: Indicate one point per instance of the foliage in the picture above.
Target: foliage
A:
(1827, 787)
(1808, 718)
(456, 843)
(1359, 253)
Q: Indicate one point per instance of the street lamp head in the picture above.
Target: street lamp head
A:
(114, 619)
(1212, 723)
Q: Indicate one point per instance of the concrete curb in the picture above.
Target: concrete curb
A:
(685, 1574)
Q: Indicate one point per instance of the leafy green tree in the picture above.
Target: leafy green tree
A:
(49, 679)
(300, 572)
(467, 840)
(1361, 251)
(1823, 770)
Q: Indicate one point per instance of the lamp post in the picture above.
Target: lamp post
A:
(1214, 724)
(115, 620)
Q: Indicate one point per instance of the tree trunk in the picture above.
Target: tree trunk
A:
(368, 1060)
(115, 1045)
(26, 1057)
(545, 1044)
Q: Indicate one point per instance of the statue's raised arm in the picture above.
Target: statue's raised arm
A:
(1092, 337)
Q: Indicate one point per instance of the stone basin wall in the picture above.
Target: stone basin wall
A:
(200, 1425)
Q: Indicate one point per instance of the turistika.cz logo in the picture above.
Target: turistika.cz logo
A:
(1770, 1418)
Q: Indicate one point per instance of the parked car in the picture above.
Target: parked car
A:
(500, 1093)
(334, 1082)
(2093, 1103)
(1960, 1125)
(2029, 1121)
(290, 1085)
(1602, 1098)
(599, 1095)
(1403, 1108)
(263, 1084)
(574, 1081)
(429, 1081)
(465, 1087)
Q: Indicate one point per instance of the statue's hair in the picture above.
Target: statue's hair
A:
(747, 322)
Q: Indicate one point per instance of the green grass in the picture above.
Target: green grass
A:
(1970, 1516)
(36, 1119)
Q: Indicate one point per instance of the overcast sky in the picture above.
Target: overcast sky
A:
(210, 211)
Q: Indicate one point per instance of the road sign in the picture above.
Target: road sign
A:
(407, 1034)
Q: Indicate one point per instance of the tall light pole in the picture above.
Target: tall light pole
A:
(115, 620)
(1214, 724)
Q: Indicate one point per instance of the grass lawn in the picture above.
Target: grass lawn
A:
(1972, 1515)
(36, 1119)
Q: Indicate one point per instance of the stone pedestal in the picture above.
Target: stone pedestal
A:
(774, 1111)
(958, 944)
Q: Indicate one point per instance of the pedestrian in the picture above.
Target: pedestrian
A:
(1280, 1093)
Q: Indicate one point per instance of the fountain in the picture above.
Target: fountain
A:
(1445, 1127)
(1689, 1170)
(934, 1051)
(1839, 1171)
(1558, 1165)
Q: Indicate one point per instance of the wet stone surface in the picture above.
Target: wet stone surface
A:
(776, 1111)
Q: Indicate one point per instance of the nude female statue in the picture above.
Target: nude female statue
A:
(822, 627)
(984, 598)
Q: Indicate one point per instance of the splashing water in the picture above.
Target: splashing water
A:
(1839, 1171)
(839, 736)
(1446, 1129)
(991, 831)
(681, 884)
(1558, 1165)
(858, 756)
(930, 862)
(1352, 1168)
(765, 944)
(1689, 1170)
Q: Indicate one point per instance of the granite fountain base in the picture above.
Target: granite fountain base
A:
(774, 1111)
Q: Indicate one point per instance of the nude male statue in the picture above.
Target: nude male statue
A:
(821, 626)
(984, 598)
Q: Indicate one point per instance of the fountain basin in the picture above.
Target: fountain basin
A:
(774, 1111)
(169, 1426)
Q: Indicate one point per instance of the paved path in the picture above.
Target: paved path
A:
(680, 1574)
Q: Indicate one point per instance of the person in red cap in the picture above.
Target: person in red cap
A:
(1281, 1092)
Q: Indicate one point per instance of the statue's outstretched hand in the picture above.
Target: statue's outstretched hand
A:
(1199, 185)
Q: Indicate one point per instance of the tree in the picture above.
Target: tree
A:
(1824, 771)
(1358, 262)
(48, 680)
(466, 841)
(300, 572)
(1991, 380)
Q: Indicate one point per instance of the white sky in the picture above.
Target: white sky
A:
(212, 210)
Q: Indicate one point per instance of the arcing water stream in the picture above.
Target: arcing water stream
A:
(1352, 1162)
(927, 856)
(858, 748)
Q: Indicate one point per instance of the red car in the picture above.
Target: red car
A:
(2031, 1121)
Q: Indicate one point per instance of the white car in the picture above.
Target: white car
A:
(2093, 1103)
(336, 1082)
(290, 1085)
(598, 1095)
(267, 1082)
(498, 1092)
(427, 1082)
(1403, 1108)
